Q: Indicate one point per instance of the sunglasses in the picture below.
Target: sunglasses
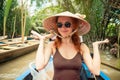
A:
(66, 24)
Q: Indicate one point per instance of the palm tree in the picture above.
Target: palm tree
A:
(7, 5)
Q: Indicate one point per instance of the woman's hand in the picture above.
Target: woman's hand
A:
(101, 42)
(38, 36)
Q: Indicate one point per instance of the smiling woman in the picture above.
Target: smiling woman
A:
(64, 27)
(67, 49)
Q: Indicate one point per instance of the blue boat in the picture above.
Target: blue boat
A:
(85, 74)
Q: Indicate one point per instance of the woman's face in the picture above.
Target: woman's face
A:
(65, 26)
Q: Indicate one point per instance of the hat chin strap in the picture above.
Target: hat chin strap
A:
(62, 36)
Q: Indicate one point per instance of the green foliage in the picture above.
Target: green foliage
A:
(111, 30)
(7, 7)
(6, 10)
(15, 11)
(10, 19)
(1, 16)
(94, 13)
(28, 26)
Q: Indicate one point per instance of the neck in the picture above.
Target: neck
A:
(67, 40)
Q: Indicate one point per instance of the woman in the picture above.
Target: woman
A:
(67, 49)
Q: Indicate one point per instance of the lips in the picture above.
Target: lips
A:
(65, 31)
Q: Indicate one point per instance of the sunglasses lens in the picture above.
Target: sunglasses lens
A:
(67, 24)
(59, 25)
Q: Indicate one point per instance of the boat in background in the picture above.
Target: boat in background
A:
(3, 37)
(12, 49)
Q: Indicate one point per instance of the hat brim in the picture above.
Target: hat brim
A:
(50, 22)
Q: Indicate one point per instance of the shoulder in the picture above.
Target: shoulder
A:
(84, 48)
(51, 45)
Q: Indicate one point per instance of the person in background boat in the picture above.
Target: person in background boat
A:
(67, 49)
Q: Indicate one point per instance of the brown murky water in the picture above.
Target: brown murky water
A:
(12, 69)
(112, 73)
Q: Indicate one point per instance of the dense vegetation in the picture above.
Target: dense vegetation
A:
(103, 15)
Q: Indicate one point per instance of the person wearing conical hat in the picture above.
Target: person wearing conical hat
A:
(67, 49)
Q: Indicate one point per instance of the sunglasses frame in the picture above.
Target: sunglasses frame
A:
(66, 24)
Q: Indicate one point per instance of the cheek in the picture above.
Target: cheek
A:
(58, 30)
(71, 29)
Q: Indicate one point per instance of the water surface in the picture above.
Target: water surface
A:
(12, 69)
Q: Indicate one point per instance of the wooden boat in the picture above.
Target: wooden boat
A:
(85, 74)
(10, 50)
(2, 37)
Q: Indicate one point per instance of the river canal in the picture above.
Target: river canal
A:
(12, 69)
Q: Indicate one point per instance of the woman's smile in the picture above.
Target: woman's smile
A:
(64, 31)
